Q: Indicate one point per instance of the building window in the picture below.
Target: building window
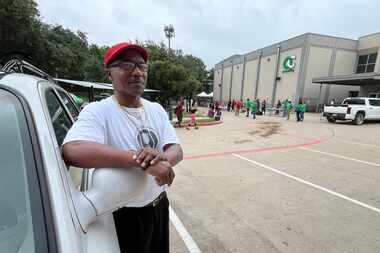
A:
(366, 63)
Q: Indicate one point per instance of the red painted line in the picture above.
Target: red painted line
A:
(247, 151)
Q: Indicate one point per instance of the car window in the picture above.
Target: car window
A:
(61, 124)
(354, 101)
(70, 106)
(374, 102)
(21, 229)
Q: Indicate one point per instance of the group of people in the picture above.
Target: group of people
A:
(253, 106)
(259, 107)
(179, 113)
(286, 106)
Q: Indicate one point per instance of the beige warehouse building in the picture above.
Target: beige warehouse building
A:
(317, 68)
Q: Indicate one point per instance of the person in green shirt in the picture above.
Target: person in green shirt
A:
(300, 110)
(253, 106)
(248, 106)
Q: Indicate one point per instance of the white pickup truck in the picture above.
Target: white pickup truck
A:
(357, 109)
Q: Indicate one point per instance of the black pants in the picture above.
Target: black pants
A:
(145, 229)
(298, 115)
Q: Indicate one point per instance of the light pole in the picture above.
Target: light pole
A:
(169, 33)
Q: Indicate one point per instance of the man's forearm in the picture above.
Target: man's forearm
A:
(86, 154)
(173, 153)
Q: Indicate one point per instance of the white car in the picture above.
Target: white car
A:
(45, 205)
(356, 109)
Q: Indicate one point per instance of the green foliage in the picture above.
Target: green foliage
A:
(67, 54)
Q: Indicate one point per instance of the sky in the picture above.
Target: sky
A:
(210, 29)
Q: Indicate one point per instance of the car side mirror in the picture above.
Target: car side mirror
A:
(111, 189)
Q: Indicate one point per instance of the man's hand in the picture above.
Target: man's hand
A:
(148, 156)
(162, 171)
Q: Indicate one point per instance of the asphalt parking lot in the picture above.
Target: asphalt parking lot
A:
(272, 185)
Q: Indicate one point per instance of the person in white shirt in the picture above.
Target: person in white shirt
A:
(128, 132)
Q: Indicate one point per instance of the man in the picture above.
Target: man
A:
(247, 106)
(264, 106)
(288, 108)
(179, 112)
(254, 108)
(128, 132)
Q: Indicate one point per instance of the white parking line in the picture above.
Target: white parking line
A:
(358, 143)
(311, 184)
(341, 156)
(186, 237)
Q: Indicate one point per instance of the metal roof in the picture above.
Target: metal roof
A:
(352, 79)
(103, 86)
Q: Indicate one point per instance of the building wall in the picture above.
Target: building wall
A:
(237, 81)
(287, 86)
(316, 56)
(250, 77)
(226, 83)
(344, 65)
(371, 43)
(217, 82)
(266, 73)
(365, 90)
(318, 64)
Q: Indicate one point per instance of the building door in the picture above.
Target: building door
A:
(353, 93)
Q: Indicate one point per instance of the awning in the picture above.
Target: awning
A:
(353, 79)
(203, 95)
(103, 86)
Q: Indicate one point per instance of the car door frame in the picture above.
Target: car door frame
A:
(108, 230)
(47, 222)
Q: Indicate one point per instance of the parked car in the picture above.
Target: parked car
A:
(46, 205)
(356, 109)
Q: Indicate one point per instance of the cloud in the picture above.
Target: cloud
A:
(212, 30)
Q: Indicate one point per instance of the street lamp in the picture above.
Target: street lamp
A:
(169, 33)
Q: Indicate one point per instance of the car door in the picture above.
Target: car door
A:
(374, 108)
(26, 223)
(101, 235)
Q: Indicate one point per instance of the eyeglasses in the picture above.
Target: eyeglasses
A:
(130, 66)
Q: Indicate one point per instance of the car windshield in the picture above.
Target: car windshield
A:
(16, 219)
(354, 101)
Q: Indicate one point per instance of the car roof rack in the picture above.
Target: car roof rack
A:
(21, 66)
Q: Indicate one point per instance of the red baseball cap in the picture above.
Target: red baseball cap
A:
(112, 53)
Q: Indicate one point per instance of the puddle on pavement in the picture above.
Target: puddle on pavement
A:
(242, 141)
(266, 129)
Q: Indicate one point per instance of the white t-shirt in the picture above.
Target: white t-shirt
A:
(107, 122)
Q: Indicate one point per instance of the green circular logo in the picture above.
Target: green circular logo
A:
(289, 64)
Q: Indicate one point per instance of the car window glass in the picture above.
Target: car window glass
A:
(70, 106)
(16, 215)
(354, 102)
(61, 124)
(374, 102)
(61, 121)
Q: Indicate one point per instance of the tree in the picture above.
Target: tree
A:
(17, 21)
(67, 54)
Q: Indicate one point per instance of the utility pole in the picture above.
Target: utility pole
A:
(169, 33)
